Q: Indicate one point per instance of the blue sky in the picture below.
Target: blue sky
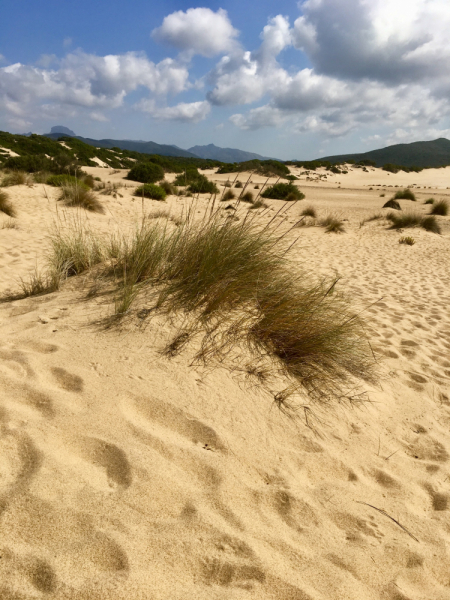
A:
(284, 79)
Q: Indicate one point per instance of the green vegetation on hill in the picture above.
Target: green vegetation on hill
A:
(262, 167)
(417, 154)
(41, 153)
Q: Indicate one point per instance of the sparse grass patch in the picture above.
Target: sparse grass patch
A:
(259, 204)
(60, 180)
(15, 178)
(76, 195)
(247, 197)
(332, 224)
(408, 240)
(440, 208)
(405, 194)
(309, 211)
(407, 220)
(228, 195)
(5, 205)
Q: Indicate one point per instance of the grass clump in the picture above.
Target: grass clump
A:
(247, 197)
(82, 196)
(309, 211)
(332, 224)
(440, 208)
(429, 201)
(228, 195)
(15, 178)
(408, 240)
(283, 191)
(405, 194)
(408, 220)
(259, 204)
(232, 286)
(60, 180)
(167, 187)
(238, 184)
(5, 205)
(150, 190)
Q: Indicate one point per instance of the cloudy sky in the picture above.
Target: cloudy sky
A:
(281, 78)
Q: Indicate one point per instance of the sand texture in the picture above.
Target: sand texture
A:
(125, 475)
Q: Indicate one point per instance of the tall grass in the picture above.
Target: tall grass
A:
(440, 208)
(80, 195)
(332, 224)
(232, 283)
(5, 205)
(407, 220)
(405, 194)
(16, 178)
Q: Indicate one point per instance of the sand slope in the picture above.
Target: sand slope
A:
(125, 475)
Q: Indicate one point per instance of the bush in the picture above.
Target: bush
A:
(408, 240)
(167, 187)
(29, 163)
(82, 196)
(283, 191)
(430, 224)
(405, 194)
(146, 173)
(203, 185)
(150, 190)
(238, 184)
(60, 180)
(440, 208)
(5, 205)
(309, 211)
(429, 201)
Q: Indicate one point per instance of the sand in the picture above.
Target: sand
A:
(125, 475)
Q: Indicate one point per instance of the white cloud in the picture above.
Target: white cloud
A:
(391, 41)
(198, 31)
(97, 116)
(89, 81)
(186, 112)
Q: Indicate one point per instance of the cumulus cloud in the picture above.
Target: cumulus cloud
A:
(186, 112)
(198, 31)
(89, 81)
(395, 41)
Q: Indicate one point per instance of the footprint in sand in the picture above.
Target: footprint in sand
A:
(105, 465)
(19, 461)
(67, 381)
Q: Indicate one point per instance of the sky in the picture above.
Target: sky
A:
(285, 79)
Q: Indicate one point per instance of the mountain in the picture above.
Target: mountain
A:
(416, 154)
(227, 155)
(63, 130)
(142, 147)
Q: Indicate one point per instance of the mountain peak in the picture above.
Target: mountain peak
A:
(62, 129)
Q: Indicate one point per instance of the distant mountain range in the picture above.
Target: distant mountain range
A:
(227, 155)
(416, 154)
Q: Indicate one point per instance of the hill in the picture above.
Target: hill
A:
(141, 147)
(420, 154)
(227, 155)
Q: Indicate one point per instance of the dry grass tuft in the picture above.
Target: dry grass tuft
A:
(5, 205)
(16, 178)
(332, 224)
(440, 208)
(429, 201)
(247, 197)
(10, 224)
(309, 211)
(407, 220)
(405, 194)
(228, 195)
(75, 195)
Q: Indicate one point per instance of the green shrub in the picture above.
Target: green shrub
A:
(440, 208)
(429, 201)
(189, 175)
(167, 187)
(405, 194)
(5, 205)
(146, 173)
(60, 180)
(283, 191)
(203, 185)
(150, 190)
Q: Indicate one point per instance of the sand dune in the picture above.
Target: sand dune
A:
(126, 475)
